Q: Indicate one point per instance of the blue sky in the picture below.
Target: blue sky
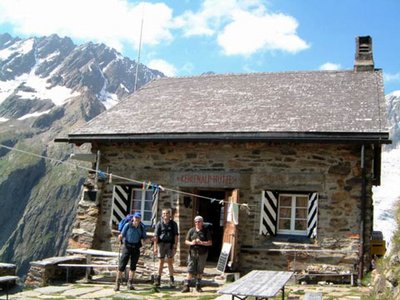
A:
(189, 37)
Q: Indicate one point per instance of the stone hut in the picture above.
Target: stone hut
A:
(281, 164)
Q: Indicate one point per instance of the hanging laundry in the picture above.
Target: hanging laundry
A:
(233, 213)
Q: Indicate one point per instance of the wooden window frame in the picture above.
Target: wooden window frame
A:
(292, 230)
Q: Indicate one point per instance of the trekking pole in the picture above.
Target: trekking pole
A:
(154, 276)
(196, 264)
(117, 279)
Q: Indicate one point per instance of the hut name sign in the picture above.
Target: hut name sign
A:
(207, 179)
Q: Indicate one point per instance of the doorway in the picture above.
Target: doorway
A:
(212, 213)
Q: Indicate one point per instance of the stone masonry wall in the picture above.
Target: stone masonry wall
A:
(333, 171)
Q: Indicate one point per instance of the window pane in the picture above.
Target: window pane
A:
(301, 213)
(147, 205)
(300, 225)
(301, 201)
(137, 205)
(284, 224)
(147, 216)
(137, 194)
(284, 212)
(285, 201)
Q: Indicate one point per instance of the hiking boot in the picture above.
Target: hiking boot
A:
(130, 285)
(171, 281)
(117, 285)
(186, 289)
(157, 281)
(198, 288)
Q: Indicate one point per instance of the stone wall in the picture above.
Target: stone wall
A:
(46, 271)
(333, 171)
(7, 269)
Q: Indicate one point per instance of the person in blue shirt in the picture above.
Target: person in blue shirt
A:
(131, 237)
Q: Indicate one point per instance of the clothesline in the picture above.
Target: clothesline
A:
(110, 176)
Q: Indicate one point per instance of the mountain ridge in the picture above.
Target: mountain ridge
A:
(48, 86)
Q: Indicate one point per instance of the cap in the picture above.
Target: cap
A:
(198, 218)
(137, 215)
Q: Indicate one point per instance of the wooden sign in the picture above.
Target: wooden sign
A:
(207, 179)
(223, 257)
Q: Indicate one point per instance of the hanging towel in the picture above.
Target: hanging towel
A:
(233, 213)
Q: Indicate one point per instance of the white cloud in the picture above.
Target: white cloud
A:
(163, 66)
(114, 22)
(391, 77)
(239, 27)
(243, 27)
(328, 66)
(249, 33)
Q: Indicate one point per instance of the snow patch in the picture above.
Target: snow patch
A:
(394, 94)
(3, 119)
(108, 99)
(387, 195)
(7, 88)
(21, 47)
(58, 94)
(35, 114)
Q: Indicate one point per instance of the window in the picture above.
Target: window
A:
(292, 214)
(142, 202)
(288, 213)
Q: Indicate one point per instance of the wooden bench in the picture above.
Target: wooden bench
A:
(87, 266)
(313, 296)
(89, 254)
(258, 284)
(7, 280)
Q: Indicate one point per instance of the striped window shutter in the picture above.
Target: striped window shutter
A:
(312, 215)
(154, 206)
(268, 213)
(120, 203)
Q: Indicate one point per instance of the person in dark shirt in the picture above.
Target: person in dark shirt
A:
(131, 237)
(199, 239)
(165, 243)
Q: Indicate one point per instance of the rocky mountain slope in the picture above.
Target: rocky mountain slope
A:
(48, 86)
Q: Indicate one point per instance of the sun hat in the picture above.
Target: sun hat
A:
(137, 215)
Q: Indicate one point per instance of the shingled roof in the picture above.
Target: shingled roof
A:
(312, 105)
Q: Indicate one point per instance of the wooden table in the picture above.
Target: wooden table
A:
(6, 280)
(89, 253)
(258, 284)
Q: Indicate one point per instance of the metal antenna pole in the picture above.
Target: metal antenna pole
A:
(138, 60)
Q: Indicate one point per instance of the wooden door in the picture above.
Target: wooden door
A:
(230, 230)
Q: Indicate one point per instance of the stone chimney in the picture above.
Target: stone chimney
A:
(364, 60)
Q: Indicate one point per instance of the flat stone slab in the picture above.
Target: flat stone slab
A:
(48, 290)
(56, 260)
(25, 295)
(105, 292)
(7, 266)
(81, 291)
(130, 296)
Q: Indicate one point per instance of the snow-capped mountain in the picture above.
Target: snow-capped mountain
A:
(387, 195)
(48, 86)
(37, 74)
(393, 105)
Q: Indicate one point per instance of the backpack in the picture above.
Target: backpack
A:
(125, 220)
(166, 232)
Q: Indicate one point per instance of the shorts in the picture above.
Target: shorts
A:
(165, 249)
(129, 252)
(197, 263)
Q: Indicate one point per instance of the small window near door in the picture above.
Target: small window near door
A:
(142, 202)
(292, 214)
